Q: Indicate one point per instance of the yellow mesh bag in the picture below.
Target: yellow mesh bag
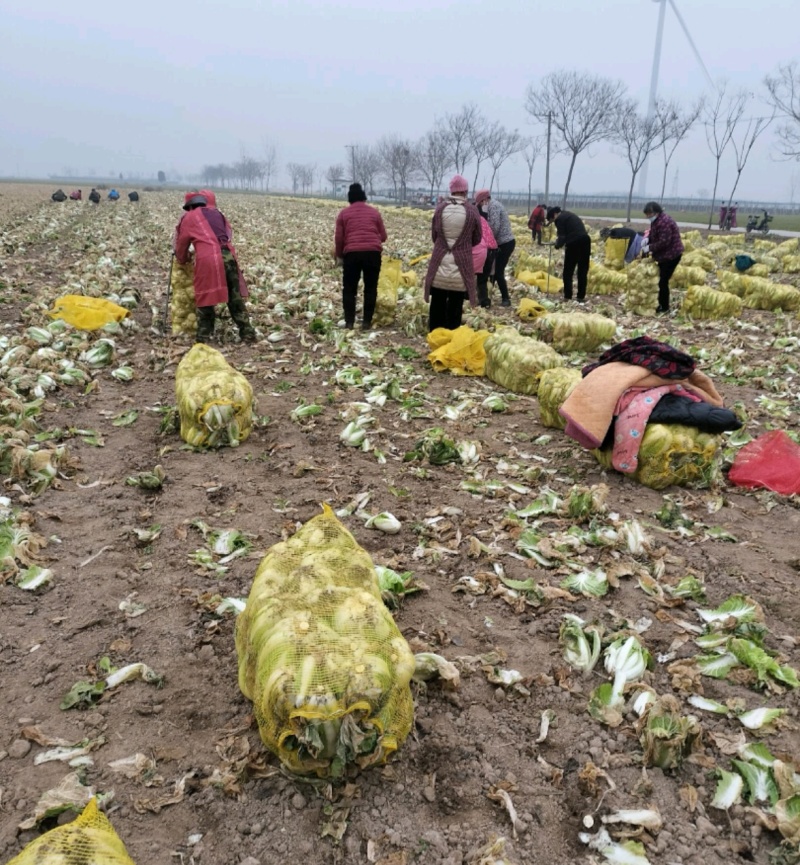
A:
(615, 250)
(604, 280)
(515, 361)
(460, 350)
(530, 310)
(181, 301)
(542, 280)
(88, 840)
(215, 402)
(555, 385)
(791, 263)
(86, 313)
(702, 302)
(388, 282)
(641, 298)
(531, 263)
(408, 279)
(672, 454)
(321, 657)
(763, 294)
(686, 276)
(575, 331)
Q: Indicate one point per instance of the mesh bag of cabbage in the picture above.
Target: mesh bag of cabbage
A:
(555, 385)
(702, 302)
(88, 840)
(514, 361)
(763, 294)
(460, 350)
(86, 313)
(321, 657)
(388, 282)
(604, 280)
(672, 455)
(215, 402)
(615, 251)
(181, 301)
(575, 331)
(641, 298)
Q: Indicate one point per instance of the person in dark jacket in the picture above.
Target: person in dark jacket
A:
(59, 195)
(536, 223)
(635, 240)
(133, 196)
(500, 224)
(666, 247)
(359, 239)
(572, 235)
(94, 196)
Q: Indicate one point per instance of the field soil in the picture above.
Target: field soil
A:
(212, 793)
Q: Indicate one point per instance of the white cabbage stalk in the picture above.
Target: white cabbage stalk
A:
(761, 786)
(729, 790)
(469, 451)
(633, 534)
(428, 665)
(122, 373)
(647, 817)
(62, 755)
(758, 754)
(627, 661)
(580, 650)
(235, 605)
(384, 522)
(628, 853)
(133, 671)
(708, 705)
(643, 700)
(353, 434)
(33, 578)
(738, 607)
(755, 719)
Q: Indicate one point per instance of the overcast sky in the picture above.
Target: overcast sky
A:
(174, 85)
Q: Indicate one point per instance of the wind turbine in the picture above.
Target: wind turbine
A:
(651, 105)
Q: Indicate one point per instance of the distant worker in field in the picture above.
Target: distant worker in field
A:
(620, 232)
(133, 196)
(113, 195)
(572, 235)
(666, 248)
(501, 229)
(76, 195)
(483, 258)
(455, 229)
(358, 242)
(94, 196)
(536, 223)
(59, 195)
(217, 278)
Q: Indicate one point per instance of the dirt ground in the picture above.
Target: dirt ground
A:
(214, 795)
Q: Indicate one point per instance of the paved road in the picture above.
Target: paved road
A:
(690, 225)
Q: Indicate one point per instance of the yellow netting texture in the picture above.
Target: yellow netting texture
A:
(86, 313)
(555, 385)
(641, 298)
(615, 249)
(321, 657)
(88, 840)
(388, 281)
(530, 309)
(215, 402)
(702, 302)
(181, 303)
(542, 280)
(460, 350)
(575, 331)
(672, 454)
(514, 361)
(604, 280)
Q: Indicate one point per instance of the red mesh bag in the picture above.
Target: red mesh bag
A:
(772, 461)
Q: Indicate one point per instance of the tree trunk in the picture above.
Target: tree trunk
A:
(475, 182)
(491, 182)
(530, 183)
(664, 178)
(713, 196)
(569, 178)
(630, 196)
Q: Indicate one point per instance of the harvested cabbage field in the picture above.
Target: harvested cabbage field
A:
(626, 656)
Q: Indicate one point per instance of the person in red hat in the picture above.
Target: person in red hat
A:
(456, 228)
(217, 278)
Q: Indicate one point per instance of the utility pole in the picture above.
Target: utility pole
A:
(352, 149)
(547, 162)
(651, 104)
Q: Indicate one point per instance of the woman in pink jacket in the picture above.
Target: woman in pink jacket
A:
(360, 235)
(482, 257)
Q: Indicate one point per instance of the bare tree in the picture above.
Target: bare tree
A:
(333, 175)
(582, 108)
(398, 163)
(367, 163)
(482, 137)
(722, 116)
(434, 155)
(677, 125)
(460, 127)
(295, 171)
(742, 145)
(784, 96)
(501, 147)
(269, 164)
(530, 153)
(307, 174)
(637, 136)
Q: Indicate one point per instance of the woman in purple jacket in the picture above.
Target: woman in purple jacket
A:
(360, 235)
(666, 247)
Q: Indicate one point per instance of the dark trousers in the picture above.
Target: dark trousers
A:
(577, 255)
(445, 308)
(501, 257)
(482, 280)
(236, 305)
(665, 271)
(536, 234)
(354, 264)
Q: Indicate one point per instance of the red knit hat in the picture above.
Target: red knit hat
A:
(481, 195)
(458, 184)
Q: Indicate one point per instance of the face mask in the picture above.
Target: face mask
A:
(652, 218)
(483, 209)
